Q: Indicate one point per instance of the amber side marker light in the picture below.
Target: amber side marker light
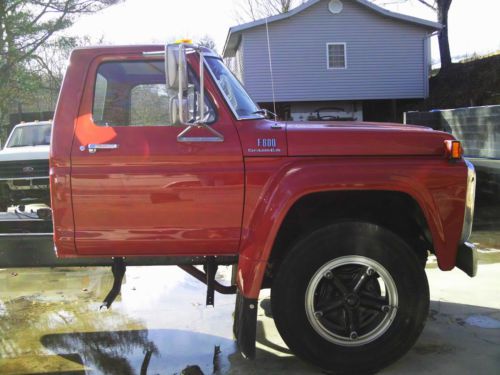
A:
(184, 40)
(453, 149)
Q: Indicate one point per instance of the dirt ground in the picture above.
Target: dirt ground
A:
(50, 323)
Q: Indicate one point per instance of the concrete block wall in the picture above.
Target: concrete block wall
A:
(477, 127)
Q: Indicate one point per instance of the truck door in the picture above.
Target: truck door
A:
(136, 190)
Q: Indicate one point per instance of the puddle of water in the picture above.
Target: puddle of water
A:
(486, 229)
(51, 322)
(489, 256)
(143, 351)
(484, 257)
(483, 321)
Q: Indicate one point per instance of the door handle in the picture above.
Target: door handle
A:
(93, 147)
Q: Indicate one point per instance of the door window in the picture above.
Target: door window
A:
(133, 93)
(148, 105)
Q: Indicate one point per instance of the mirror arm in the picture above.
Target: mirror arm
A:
(202, 86)
(179, 75)
(167, 83)
(218, 137)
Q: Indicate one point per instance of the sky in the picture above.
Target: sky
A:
(474, 25)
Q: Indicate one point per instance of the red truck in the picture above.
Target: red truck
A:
(159, 156)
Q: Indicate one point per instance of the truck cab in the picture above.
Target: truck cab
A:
(159, 156)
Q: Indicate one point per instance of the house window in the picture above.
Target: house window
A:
(336, 55)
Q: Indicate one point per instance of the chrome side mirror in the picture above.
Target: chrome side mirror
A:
(176, 115)
(183, 97)
(176, 82)
(175, 67)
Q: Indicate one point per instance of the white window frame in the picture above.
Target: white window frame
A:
(328, 55)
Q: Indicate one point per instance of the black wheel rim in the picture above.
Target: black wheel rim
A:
(351, 300)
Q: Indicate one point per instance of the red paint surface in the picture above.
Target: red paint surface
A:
(155, 196)
(275, 184)
(363, 139)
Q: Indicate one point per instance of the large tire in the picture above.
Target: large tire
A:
(328, 321)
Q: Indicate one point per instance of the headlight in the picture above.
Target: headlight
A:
(469, 201)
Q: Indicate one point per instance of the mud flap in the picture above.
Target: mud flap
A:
(467, 259)
(245, 325)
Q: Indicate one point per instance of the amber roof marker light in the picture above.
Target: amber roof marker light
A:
(453, 149)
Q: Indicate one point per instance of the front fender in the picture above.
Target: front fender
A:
(274, 185)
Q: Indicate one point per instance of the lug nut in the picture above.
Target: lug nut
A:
(328, 275)
(318, 314)
(353, 335)
(386, 308)
(369, 271)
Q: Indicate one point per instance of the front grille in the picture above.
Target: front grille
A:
(22, 183)
(24, 168)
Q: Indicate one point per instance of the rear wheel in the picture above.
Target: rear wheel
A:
(351, 297)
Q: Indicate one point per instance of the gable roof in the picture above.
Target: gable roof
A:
(234, 35)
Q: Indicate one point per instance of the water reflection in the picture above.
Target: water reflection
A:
(137, 351)
(50, 322)
(109, 352)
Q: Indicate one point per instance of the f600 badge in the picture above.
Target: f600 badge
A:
(265, 145)
(266, 142)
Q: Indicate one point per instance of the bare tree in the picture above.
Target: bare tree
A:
(25, 28)
(49, 64)
(207, 41)
(441, 7)
(251, 10)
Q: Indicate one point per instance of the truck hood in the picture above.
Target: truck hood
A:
(363, 139)
(24, 153)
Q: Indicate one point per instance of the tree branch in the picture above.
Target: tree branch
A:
(40, 15)
(44, 65)
(26, 28)
(433, 6)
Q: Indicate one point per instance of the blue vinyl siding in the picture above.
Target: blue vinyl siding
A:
(385, 58)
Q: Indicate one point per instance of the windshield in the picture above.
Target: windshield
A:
(30, 135)
(242, 105)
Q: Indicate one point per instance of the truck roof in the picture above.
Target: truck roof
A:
(125, 47)
(134, 48)
(21, 124)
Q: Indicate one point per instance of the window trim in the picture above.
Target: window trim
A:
(226, 99)
(96, 73)
(328, 55)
